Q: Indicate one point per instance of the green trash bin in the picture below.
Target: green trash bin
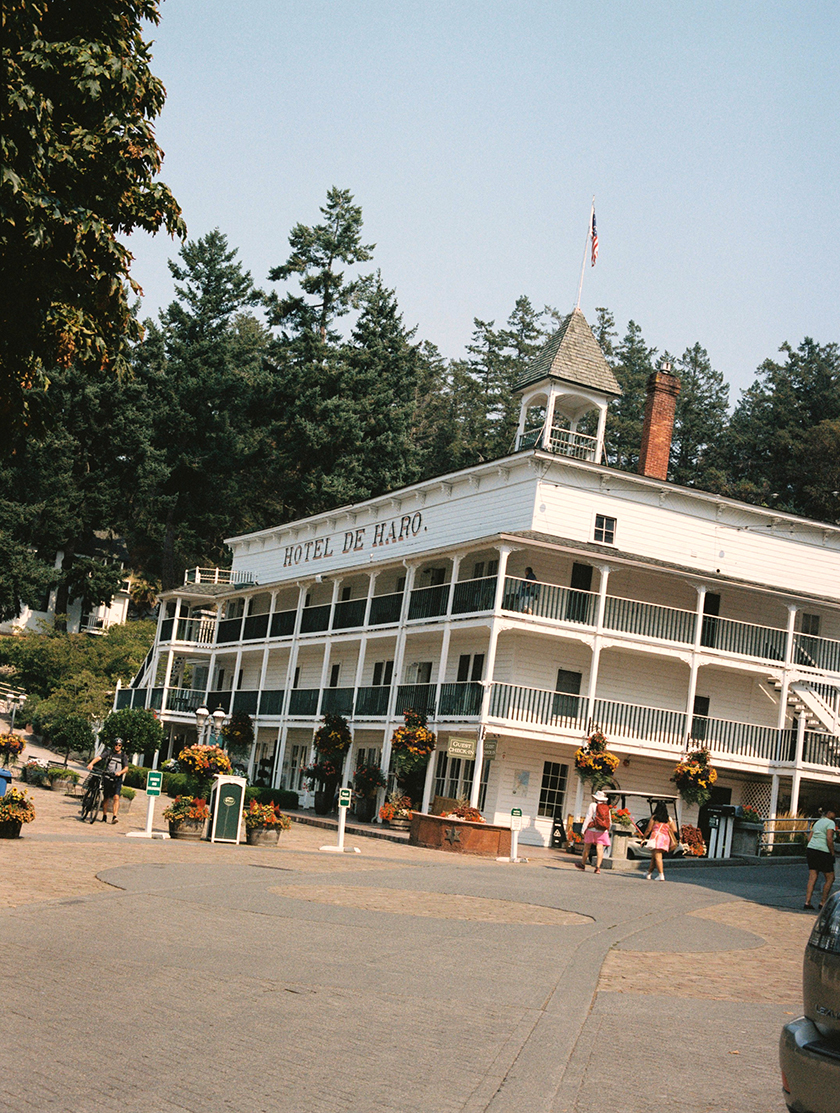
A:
(226, 803)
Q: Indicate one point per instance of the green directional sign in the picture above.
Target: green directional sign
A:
(516, 811)
(344, 795)
(154, 781)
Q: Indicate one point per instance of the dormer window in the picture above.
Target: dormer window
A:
(605, 529)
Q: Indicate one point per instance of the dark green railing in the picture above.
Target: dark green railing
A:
(373, 700)
(271, 702)
(245, 701)
(337, 701)
(256, 627)
(428, 602)
(766, 643)
(155, 699)
(304, 701)
(184, 699)
(460, 699)
(349, 613)
(385, 609)
(474, 595)
(166, 629)
(420, 697)
(816, 653)
(229, 630)
(821, 749)
(561, 604)
(283, 624)
(315, 619)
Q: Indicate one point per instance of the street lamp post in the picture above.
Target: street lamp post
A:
(218, 718)
(202, 722)
(16, 702)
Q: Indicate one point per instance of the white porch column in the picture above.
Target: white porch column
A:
(788, 665)
(774, 804)
(600, 434)
(595, 661)
(291, 665)
(701, 590)
(399, 655)
(279, 754)
(797, 764)
(429, 783)
(689, 701)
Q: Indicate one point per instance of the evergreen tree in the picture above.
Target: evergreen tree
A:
(202, 373)
(700, 420)
(625, 417)
(783, 424)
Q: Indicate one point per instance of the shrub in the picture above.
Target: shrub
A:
(282, 797)
(127, 793)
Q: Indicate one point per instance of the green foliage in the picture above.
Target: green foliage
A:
(44, 663)
(282, 797)
(632, 365)
(238, 733)
(66, 732)
(140, 730)
(700, 420)
(79, 165)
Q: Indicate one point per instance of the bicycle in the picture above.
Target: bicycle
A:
(92, 798)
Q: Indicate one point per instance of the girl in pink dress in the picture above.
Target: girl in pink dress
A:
(662, 831)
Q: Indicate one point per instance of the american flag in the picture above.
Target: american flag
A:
(594, 240)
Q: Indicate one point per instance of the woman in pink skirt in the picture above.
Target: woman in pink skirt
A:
(661, 831)
(594, 831)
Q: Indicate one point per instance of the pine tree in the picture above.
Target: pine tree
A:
(700, 420)
(625, 418)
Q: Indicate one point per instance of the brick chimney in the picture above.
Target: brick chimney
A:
(662, 390)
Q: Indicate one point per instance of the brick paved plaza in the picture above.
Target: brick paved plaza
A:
(170, 977)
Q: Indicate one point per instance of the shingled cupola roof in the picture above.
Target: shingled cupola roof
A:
(573, 356)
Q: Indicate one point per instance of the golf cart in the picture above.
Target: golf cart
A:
(641, 806)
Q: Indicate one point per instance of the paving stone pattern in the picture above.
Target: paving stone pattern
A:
(171, 977)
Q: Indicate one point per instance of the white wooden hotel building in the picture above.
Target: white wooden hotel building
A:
(666, 616)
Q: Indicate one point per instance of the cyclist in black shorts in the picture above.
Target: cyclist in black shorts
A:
(113, 771)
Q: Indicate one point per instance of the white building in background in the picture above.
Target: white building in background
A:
(666, 616)
(80, 619)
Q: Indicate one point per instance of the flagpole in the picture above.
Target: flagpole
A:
(585, 248)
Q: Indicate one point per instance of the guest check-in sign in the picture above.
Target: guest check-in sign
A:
(462, 747)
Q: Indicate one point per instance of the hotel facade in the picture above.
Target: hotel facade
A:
(522, 603)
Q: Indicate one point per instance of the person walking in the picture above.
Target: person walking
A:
(596, 830)
(661, 835)
(113, 772)
(820, 855)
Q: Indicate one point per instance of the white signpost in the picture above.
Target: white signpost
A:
(344, 796)
(154, 783)
(515, 828)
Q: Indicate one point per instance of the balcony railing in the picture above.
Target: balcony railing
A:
(725, 736)
(428, 602)
(218, 576)
(560, 441)
(229, 630)
(549, 601)
(315, 619)
(419, 697)
(184, 699)
(271, 702)
(744, 639)
(304, 701)
(283, 624)
(460, 699)
(537, 706)
(351, 612)
(255, 628)
(821, 749)
(245, 701)
(337, 701)
(474, 595)
(649, 620)
(385, 609)
(373, 701)
(816, 653)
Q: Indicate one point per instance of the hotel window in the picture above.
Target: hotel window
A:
(335, 671)
(453, 778)
(811, 625)
(382, 673)
(605, 529)
(553, 789)
(345, 594)
(485, 568)
(470, 668)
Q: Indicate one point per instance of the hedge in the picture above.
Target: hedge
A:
(177, 784)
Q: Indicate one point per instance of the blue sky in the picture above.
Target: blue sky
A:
(474, 135)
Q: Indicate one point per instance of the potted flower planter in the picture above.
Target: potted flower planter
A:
(10, 829)
(324, 800)
(620, 836)
(365, 808)
(263, 836)
(186, 828)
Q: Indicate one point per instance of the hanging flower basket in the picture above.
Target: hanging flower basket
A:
(11, 747)
(594, 763)
(694, 777)
(413, 739)
(333, 736)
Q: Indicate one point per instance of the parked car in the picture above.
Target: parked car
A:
(809, 1048)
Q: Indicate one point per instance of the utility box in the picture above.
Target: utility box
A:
(226, 803)
(721, 820)
(5, 781)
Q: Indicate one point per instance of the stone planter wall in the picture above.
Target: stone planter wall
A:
(745, 838)
(459, 836)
